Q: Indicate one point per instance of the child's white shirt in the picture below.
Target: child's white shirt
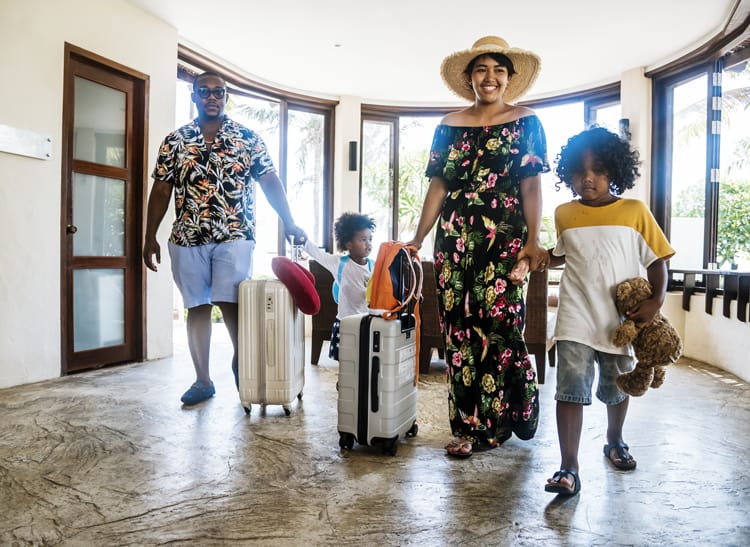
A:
(602, 246)
(353, 282)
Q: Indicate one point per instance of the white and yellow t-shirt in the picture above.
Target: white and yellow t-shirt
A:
(602, 246)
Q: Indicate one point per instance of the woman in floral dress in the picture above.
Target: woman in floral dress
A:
(485, 194)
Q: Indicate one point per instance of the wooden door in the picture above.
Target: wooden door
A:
(102, 280)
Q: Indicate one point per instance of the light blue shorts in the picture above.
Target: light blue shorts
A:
(206, 274)
(575, 373)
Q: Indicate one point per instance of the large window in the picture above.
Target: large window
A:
(394, 157)
(560, 122)
(688, 171)
(378, 188)
(263, 117)
(733, 229)
(702, 164)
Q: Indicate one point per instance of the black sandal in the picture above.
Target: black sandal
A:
(626, 461)
(459, 447)
(557, 487)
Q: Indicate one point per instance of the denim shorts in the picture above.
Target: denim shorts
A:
(206, 274)
(575, 373)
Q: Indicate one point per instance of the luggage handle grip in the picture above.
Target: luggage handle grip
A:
(374, 374)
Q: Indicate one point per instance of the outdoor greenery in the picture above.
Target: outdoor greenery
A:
(734, 196)
(734, 216)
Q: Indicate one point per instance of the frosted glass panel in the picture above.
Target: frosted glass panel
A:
(98, 309)
(99, 215)
(99, 126)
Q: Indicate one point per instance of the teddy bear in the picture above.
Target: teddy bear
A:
(655, 346)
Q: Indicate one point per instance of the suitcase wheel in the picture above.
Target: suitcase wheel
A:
(299, 396)
(390, 446)
(413, 431)
(346, 440)
(247, 409)
(287, 410)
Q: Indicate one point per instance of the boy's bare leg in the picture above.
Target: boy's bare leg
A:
(615, 420)
(569, 425)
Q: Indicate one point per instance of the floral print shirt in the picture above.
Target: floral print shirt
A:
(214, 189)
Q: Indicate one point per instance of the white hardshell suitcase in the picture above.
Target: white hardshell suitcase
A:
(377, 392)
(271, 345)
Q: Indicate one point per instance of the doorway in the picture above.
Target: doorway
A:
(102, 196)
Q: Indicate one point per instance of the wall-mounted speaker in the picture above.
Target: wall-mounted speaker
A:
(352, 155)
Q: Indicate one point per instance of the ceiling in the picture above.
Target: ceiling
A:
(389, 51)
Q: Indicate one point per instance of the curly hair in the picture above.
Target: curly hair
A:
(347, 225)
(611, 153)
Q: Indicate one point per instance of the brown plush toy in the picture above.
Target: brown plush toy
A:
(655, 346)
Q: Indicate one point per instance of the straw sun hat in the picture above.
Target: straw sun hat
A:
(526, 64)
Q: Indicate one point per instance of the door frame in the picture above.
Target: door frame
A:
(135, 284)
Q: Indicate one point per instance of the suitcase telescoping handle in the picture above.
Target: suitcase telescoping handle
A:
(296, 253)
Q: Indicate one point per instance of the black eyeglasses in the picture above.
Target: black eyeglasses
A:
(206, 92)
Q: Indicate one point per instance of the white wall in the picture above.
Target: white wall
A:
(346, 183)
(723, 342)
(635, 101)
(32, 37)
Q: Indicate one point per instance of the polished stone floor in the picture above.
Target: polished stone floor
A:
(112, 458)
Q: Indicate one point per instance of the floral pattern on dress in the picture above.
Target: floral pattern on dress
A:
(492, 384)
(214, 188)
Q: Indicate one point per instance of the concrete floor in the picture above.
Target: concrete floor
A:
(111, 458)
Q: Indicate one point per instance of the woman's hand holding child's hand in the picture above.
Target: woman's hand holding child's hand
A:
(518, 274)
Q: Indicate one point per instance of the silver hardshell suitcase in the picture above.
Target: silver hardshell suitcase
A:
(271, 345)
(377, 393)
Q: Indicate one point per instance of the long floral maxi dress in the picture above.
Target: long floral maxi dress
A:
(492, 386)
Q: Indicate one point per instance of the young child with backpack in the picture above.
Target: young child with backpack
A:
(351, 271)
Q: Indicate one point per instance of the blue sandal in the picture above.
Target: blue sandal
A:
(557, 487)
(623, 460)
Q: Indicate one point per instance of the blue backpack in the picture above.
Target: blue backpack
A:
(335, 288)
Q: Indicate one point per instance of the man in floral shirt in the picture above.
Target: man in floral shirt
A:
(212, 164)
